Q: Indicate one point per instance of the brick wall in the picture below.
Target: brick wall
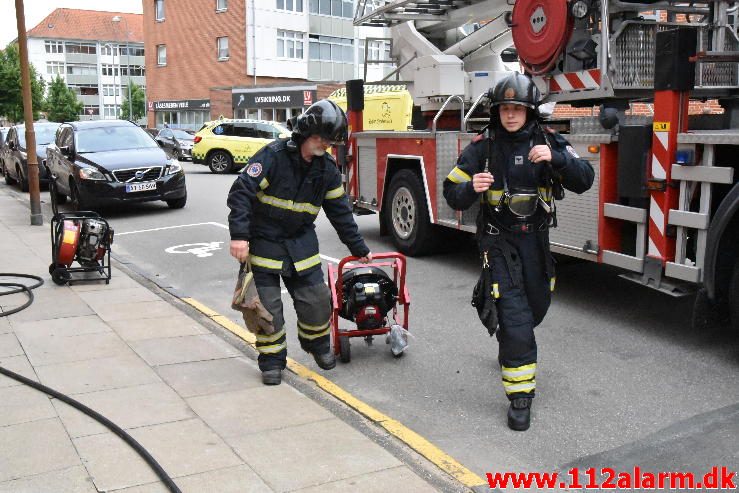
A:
(189, 31)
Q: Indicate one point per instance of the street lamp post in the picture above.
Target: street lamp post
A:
(118, 18)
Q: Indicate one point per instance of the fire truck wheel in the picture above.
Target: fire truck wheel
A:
(407, 214)
(734, 298)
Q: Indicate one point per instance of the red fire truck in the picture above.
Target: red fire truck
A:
(664, 207)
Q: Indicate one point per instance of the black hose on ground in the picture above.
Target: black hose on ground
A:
(120, 432)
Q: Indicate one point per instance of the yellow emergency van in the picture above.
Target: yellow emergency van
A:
(386, 107)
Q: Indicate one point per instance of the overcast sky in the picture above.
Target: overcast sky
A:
(36, 10)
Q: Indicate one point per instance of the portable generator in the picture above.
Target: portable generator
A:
(368, 296)
(81, 236)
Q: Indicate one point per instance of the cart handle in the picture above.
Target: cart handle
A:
(399, 257)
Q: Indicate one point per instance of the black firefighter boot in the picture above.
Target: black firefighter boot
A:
(325, 360)
(519, 414)
(272, 377)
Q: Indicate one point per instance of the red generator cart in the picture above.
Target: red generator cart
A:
(369, 296)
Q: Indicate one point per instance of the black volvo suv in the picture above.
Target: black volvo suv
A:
(107, 162)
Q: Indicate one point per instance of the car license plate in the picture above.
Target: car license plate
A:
(140, 187)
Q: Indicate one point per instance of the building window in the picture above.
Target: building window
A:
(159, 10)
(133, 70)
(111, 90)
(291, 5)
(161, 55)
(109, 50)
(335, 8)
(90, 110)
(84, 48)
(132, 50)
(110, 111)
(81, 69)
(221, 5)
(330, 49)
(54, 46)
(290, 44)
(55, 68)
(222, 44)
(84, 89)
(108, 69)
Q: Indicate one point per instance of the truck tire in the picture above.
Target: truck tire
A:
(407, 214)
(734, 298)
(220, 162)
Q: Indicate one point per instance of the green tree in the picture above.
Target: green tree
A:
(138, 103)
(61, 103)
(11, 95)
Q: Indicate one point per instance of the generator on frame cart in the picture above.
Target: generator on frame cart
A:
(369, 296)
(81, 237)
(664, 207)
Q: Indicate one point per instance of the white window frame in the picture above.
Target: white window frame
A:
(221, 5)
(346, 45)
(316, 7)
(288, 39)
(111, 90)
(159, 10)
(111, 111)
(109, 70)
(161, 55)
(52, 46)
(290, 5)
(219, 48)
(58, 66)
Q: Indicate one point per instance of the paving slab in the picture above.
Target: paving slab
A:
(98, 298)
(376, 482)
(67, 327)
(159, 327)
(212, 376)
(19, 365)
(23, 404)
(132, 311)
(167, 351)
(9, 345)
(54, 349)
(186, 447)
(238, 479)
(5, 326)
(129, 407)
(118, 281)
(233, 414)
(49, 304)
(98, 374)
(111, 463)
(336, 451)
(71, 480)
(35, 448)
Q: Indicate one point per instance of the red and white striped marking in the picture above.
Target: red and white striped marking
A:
(660, 159)
(575, 81)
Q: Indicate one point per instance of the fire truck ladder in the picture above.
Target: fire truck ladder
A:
(440, 14)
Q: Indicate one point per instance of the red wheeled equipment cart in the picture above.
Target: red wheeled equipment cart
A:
(366, 294)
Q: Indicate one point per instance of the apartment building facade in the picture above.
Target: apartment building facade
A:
(96, 53)
(265, 59)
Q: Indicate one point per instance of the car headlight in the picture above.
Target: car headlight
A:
(173, 168)
(91, 174)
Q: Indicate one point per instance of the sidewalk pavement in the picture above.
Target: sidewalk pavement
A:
(193, 400)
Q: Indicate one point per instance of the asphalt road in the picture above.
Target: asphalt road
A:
(623, 380)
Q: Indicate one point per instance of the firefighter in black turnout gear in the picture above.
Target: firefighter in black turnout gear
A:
(274, 203)
(515, 169)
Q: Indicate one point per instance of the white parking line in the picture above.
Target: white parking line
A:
(168, 227)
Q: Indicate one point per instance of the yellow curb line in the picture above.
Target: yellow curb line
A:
(394, 427)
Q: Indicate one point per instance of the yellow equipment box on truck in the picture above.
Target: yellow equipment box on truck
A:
(386, 107)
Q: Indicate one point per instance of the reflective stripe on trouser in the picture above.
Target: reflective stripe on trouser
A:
(524, 299)
(271, 344)
(520, 379)
(311, 299)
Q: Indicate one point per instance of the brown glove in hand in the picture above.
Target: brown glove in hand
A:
(246, 300)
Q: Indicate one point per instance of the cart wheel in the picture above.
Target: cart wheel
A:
(61, 276)
(345, 351)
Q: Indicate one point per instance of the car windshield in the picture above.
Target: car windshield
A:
(101, 139)
(182, 135)
(44, 134)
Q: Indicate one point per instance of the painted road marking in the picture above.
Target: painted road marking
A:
(418, 443)
(200, 250)
(167, 227)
